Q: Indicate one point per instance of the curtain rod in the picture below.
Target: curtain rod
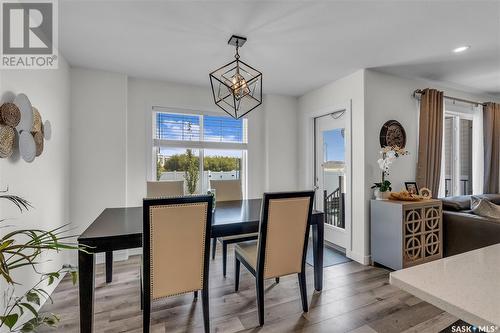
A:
(420, 92)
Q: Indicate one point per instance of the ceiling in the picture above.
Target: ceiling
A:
(298, 45)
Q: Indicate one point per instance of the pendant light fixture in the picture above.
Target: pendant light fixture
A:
(237, 86)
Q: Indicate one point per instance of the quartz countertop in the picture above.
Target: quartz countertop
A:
(466, 285)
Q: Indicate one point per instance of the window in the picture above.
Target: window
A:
(197, 148)
(458, 153)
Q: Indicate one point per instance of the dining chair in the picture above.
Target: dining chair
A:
(165, 188)
(155, 189)
(228, 190)
(282, 244)
(176, 250)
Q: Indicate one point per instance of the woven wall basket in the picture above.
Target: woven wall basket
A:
(7, 137)
(38, 136)
(10, 114)
(37, 121)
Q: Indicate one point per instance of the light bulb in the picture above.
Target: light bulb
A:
(239, 86)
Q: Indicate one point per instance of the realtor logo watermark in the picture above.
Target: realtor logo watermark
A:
(29, 34)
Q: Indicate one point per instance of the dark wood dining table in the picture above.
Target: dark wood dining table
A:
(121, 228)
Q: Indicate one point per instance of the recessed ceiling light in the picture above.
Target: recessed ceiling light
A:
(461, 49)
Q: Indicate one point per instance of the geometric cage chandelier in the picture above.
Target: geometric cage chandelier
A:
(237, 86)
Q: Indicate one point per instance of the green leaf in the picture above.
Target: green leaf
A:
(33, 297)
(51, 320)
(9, 320)
(31, 308)
(28, 327)
(5, 244)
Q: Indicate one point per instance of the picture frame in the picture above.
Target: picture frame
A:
(412, 187)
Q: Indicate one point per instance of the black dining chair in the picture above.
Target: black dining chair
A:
(176, 250)
(282, 244)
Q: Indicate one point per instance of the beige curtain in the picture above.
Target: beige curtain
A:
(430, 140)
(491, 130)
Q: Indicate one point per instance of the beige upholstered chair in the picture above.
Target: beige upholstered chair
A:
(165, 188)
(282, 244)
(228, 190)
(176, 246)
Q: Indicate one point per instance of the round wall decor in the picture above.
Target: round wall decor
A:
(24, 105)
(47, 130)
(27, 146)
(10, 114)
(37, 121)
(38, 137)
(392, 134)
(7, 137)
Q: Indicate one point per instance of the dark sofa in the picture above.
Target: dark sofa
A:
(464, 231)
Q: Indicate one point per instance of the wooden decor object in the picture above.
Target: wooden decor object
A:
(19, 118)
(7, 138)
(37, 121)
(406, 233)
(10, 114)
(38, 136)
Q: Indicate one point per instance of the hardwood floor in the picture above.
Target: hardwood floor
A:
(355, 298)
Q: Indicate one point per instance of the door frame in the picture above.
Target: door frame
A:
(348, 172)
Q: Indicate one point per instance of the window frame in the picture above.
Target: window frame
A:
(154, 144)
(456, 163)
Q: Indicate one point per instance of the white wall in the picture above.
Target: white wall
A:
(98, 143)
(45, 181)
(281, 126)
(348, 91)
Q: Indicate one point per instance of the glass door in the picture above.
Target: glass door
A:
(332, 194)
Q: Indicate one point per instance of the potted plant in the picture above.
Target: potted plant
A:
(20, 248)
(389, 154)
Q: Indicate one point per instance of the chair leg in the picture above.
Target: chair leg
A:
(236, 274)
(303, 290)
(196, 294)
(224, 258)
(260, 300)
(214, 247)
(146, 314)
(277, 280)
(206, 312)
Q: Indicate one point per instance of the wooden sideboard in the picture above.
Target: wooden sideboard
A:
(406, 233)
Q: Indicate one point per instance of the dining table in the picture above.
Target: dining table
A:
(121, 228)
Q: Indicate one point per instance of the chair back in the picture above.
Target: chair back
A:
(165, 188)
(283, 233)
(176, 243)
(227, 190)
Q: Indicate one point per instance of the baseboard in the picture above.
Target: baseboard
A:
(362, 259)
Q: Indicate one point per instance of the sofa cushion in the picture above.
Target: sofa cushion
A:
(495, 198)
(462, 202)
(485, 208)
(458, 203)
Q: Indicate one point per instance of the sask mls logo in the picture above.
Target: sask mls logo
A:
(29, 34)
